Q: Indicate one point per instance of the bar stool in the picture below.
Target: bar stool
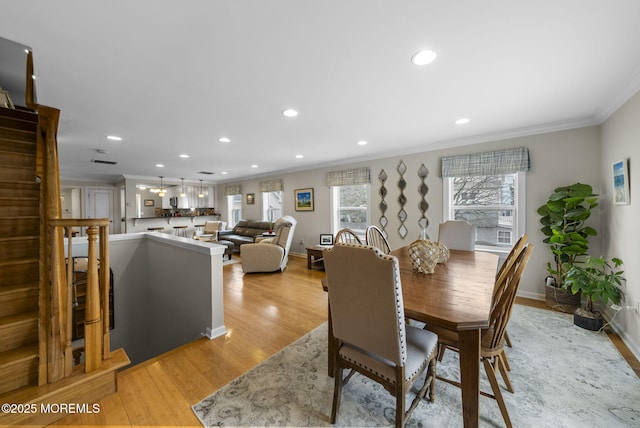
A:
(180, 231)
(155, 229)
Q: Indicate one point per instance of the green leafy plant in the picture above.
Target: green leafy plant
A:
(563, 220)
(598, 278)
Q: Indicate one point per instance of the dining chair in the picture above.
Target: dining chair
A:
(376, 238)
(347, 236)
(457, 235)
(511, 258)
(492, 344)
(367, 314)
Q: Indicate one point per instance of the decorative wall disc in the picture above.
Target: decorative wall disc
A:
(423, 189)
(402, 199)
(383, 205)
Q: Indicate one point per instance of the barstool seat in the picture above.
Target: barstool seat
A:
(155, 229)
(180, 231)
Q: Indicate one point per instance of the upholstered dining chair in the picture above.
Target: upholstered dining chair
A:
(492, 344)
(457, 235)
(367, 315)
(376, 238)
(347, 236)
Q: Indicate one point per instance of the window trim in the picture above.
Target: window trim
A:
(519, 206)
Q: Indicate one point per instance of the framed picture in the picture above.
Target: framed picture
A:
(304, 199)
(326, 239)
(251, 198)
(149, 202)
(620, 172)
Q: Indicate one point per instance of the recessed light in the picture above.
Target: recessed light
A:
(290, 112)
(424, 57)
(363, 143)
(224, 140)
(254, 166)
(114, 138)
(462, 121)
(184, 156)
(299, 156)
(159, 165)
(224, 173)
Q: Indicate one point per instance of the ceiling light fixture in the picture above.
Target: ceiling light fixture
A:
(182, 194)
(299, 156)
(462, 121)
(159, 165)
(224, 140)
(224, 173)
(254, 166)
(424, 57)
(184, 156)
(290, 112)
(201, 194)
(114, 138)
(161, 193)
(363, 143)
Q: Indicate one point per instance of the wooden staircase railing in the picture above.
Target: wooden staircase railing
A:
(57, 273)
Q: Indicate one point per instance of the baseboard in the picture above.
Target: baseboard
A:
(216, 332)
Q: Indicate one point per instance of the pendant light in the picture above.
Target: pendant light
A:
(183, 195)
(201, 194)
(161, 193)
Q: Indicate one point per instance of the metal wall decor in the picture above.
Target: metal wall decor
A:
(383, 205)
(423, 189)
(402, 199)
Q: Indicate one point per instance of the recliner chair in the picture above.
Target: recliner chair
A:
(271, 254)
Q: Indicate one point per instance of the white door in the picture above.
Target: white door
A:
(100, 205)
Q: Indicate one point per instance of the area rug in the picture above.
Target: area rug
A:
(563, 376)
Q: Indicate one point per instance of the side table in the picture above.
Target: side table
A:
(314, 255)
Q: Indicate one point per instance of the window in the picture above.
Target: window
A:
(234, 209)
(349, 206)
(271, 206)
(491, 203)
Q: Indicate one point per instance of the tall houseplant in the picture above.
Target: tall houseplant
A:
(563, 218)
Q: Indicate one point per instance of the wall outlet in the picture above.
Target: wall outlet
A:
(615, 307)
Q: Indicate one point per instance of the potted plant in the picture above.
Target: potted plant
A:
(598, 278)
(563, 218)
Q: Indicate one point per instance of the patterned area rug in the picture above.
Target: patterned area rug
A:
(563, 376)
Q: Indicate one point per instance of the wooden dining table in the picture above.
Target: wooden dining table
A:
(456, 296)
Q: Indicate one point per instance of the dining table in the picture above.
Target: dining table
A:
(457, 296)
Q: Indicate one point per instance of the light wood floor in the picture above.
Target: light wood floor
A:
(263, 314)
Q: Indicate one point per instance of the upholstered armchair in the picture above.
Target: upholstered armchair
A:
(271, 254)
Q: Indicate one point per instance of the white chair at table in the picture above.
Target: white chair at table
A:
(368, 323)
(457, 235)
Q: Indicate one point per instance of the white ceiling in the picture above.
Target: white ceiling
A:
(171, 77)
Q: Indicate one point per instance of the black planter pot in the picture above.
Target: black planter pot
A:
(588, 320)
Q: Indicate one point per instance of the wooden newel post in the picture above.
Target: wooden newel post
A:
(93, 320)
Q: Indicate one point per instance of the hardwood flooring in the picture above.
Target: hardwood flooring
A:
(263, 314)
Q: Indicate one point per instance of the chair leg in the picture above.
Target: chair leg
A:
(400, 416)
(507, 340)
(432, 373)
(337, 393)
(441, 349)
(505, 361)
(504, 373)
(491, 375)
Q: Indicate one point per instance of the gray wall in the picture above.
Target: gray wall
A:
(557, 159)
(620, 140)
